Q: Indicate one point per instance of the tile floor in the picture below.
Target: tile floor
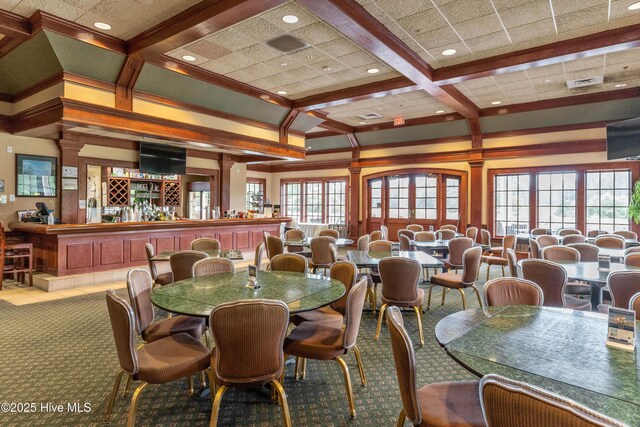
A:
(17, 293)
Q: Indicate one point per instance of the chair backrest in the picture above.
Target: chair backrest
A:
(457, 247)
(415, 227)
(249, 337)
(405, 242)
(363, 243)
(632, 250)
(508, 242)
(573, 238)
(609, 241)
(622, 286)
(289, 262)
(534, 248)
(406, 232)
(634, 304)
(213, 265)
(323, 250)
(632, 259)
(353, 313)
(471, 264)
(540, 231)
(273, 245)
(205, 244)
(595, 233)
(485, 237)
(257, 257)
(399, 278)
(153, 269)
(472, 233)
(330, 233)
(512, 262)
(124, 332)
(560, 253)
(182, 263)
(294, 234)
(376, 235)
(512, 291)
(569, 232)
(626, 234)
(449, 227)
(545, 240)
(385, 232)
(347, 273)
(447, 234)
(139, 285)
(588, 252)
(425, 236)
(509, 403)
(405, 362)
(551, 277)
(380, 246)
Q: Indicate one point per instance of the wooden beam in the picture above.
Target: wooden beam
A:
(323, 134)
(476, 132)
(614, 40)
(286, 124)
(198, 21)
(127, 78)
(348, 17)
(339, 127)
(353, 141)
(418, 121)
(16, 30)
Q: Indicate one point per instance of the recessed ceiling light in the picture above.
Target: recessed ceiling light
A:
(634, 6)
(284, 64)
(290, 19)
(189, 58)
(373, 71)
(620, 85)
(102, 25)
(363, 123)
(496, 103)
(547, 81)
(439, 111)
(281, 92)
(326, 68)
(449, 52)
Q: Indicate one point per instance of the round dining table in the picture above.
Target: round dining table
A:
(198, 296)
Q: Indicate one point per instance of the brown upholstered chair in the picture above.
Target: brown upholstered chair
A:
(595, 233)
(405, 242)
(158, 278)
(296, 235)
(622, 286)
(182, 263)
(471, 267)
(363, 243)
(376, 246)
(332, 315)
(323, 253)
(385, 232)
(330, 233)
(290, 262)
(552, 279)
(485, 237)
(406, 232)
(627, 234)
(376, 235)
(569, 232)
(273, 245)
(213, 265)
(534, 249)
(588, 252)
(508, 242)
(425, 236)
(380, 246)
(400, 277)
(446, 234)
(540, 231)
(632, 250)
(457, 247)
(249, 336)
(545, 240)
(560, 253)
(205, 244)
(512, 262)
(512, 291)
(632, 260)
(509, 403)
(609, 241)
(634, 304)
(437, 404)
(472, 233)
(312, 340)
(415, 228)
(573, 238)
(161, 361)
(257, 257)
(449, 227)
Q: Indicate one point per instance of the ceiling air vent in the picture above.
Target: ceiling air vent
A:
(370, 116)
(287, 43)
(573, 84)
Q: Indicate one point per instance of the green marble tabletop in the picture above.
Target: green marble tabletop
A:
(235, 254)
(307, 242)
(561, 350)
(370, 259)
(198, 296)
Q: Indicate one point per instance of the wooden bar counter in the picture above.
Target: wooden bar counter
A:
(65, 249)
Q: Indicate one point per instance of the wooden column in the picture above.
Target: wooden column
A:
(224, 183)
(354, 203)
(69, 150)
(475, 202)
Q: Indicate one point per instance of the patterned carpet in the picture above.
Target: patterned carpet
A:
(62, 352)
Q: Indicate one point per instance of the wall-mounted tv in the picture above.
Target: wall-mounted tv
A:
(623, 140)
(162, 159)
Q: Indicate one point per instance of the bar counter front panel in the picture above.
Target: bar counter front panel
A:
(65, 249)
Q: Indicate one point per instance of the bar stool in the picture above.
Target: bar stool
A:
(16, 258)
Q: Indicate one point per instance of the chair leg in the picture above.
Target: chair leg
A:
(212, 384)
(215, 408)
(488, 271)
(356, 351)
(429, 297)
(203, 379)
(464, 299)
(295, 369)
(283, 399)
(401, 419)
(444, 294)
(374, 294)
(126, 387)
(207, 340)
(347, 383)
(190, 384)
(503, 275)
(114, 393)
(133, 407)
(380, 316)
(477, 292)
(418, 310)
(304, 369)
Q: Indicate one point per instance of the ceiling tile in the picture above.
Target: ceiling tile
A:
(258, 29)
(230, 38)
(179, 53)
(208, 49)
(489, 41)
(479, 27)
(466, 10)
(585, 63)
(521, 35)
(423, 22)
(433, 39)
(316, 33)
(407, 8)
(582, 18)
(562, 7)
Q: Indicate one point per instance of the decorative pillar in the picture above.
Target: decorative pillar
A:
(69, 150)
(224, 183)
(475, 202)
(354, 203)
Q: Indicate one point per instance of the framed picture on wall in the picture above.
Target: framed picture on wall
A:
(36, 176)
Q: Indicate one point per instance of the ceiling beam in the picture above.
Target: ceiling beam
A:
(567, 50)
(127, 78)
(353, 141)
(198, 21)
(351, 19)
(286, 124)
(476, 132)
(16, 30)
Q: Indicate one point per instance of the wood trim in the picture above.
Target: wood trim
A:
(418, 121)
(461, 138)
(127, 78)
(283, 131)
(353, 141)
(5, 124)
(88, 81)
(303, 198)
(476, 134)
(262, 181)
(568, 147)
(40, 115)
(548, 129)
(16, 30)
(322, 134)
(32, 90)
(334, 125)
(330, 151)
(257, 167)
(307, 166)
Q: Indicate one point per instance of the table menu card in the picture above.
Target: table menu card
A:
(621, 328)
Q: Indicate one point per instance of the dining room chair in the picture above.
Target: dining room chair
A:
(182, 263)
(485, 237)
(632, 259)
(425, 236)
(509, 403)
(323, 253)
(472, 233)
(512, 262)
(451, 403)
(293, 262)
(380, 246)
(405, 242)
(363, 243)
(512, 291)
(162, 361)
(330, 233)
(385, 232)
(595, 233)
(159, 278)
(376, 235)
(540, 231)
(457, 247)
(560, 253)
(569, 232)
(249, 337)
(205, 244)
(273, 246)
(634, 305)
(632, 250)
(400, 278)
(449, 227)
(415, 227)
(588, 252)
(471, 267)
(296, 235)
(213, 265)
(312, 340)
(612, 241)
(257, 256)
(627, 234)
(446, 234)
(545, 240)
(406, 232)
(508, 242)
(573, 238)
(534, 249)
(376, 246)
(552, 279)
(622, 286)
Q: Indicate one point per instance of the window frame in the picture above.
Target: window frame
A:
(614, 206)
(324, 196)
(261, 182)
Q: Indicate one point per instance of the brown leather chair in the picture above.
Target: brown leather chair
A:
(332, 315)
(330, 233)
(406, 232)
(249, 337)
(552, 279)
(560, 253)
(405, 242)
(158, 278)
(588, 252)
(534, 249)
(626, 234)
(415, 228)
(385, 232)
(545, 240)
(213, 265)
(622, 286)
(363, 243)
(296, 235)
(290, 262)
(485, 237)
(634, 304)
(540, 231)
(161, 361)
(472, 233)
(595, 233)
(508, 242)
(509, 403)
(573, 238)
(449, 227)
(205, 244)
(569, 232)
(182, 263)
(438, 404)
(312, 340)
(400, 277)
(512, 291)
(446, 234)
(257, 257)
(323, 253)
(376, 235)
(457, 247)
(273, 245)
(376, 246)
(609, 241)
(512, 262)
(425, 236)
(380, 246)
(632, 250)
(471, 267)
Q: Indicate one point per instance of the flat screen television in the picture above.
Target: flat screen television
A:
(623, 140)
(162, 159)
